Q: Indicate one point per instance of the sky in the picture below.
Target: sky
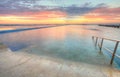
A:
(59, 11)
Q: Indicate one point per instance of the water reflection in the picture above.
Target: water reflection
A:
(66, 42)
(2, 29)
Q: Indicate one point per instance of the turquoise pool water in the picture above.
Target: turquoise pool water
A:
(68, 42)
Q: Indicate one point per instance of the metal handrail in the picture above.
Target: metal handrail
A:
(110, 51)
(107, 38)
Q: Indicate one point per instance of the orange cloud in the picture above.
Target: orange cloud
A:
(97, 16)
(44, 14)
(103, 15)
(44, 17)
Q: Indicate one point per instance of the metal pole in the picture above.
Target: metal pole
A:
(96, 41)
(101, 45)
(113, 55)
(93, 37)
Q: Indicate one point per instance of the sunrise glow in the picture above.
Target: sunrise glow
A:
(49, 12)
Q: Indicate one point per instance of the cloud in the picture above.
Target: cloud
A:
(74, 10)
(104, 13)
(20, 7)
(107, 10)
(15, 6)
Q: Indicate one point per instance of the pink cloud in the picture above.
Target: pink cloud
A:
(39, 15)
(105, 13)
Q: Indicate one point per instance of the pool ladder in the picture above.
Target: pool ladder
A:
(100, 45)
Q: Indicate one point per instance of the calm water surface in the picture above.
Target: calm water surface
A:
(69, 42)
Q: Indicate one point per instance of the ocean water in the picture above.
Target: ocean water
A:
(67, 42)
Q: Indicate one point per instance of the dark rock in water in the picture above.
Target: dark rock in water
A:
(106, 25)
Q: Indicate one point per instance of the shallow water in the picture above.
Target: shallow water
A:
(69, 42)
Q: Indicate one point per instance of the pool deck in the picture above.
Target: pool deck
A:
(22, 64)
